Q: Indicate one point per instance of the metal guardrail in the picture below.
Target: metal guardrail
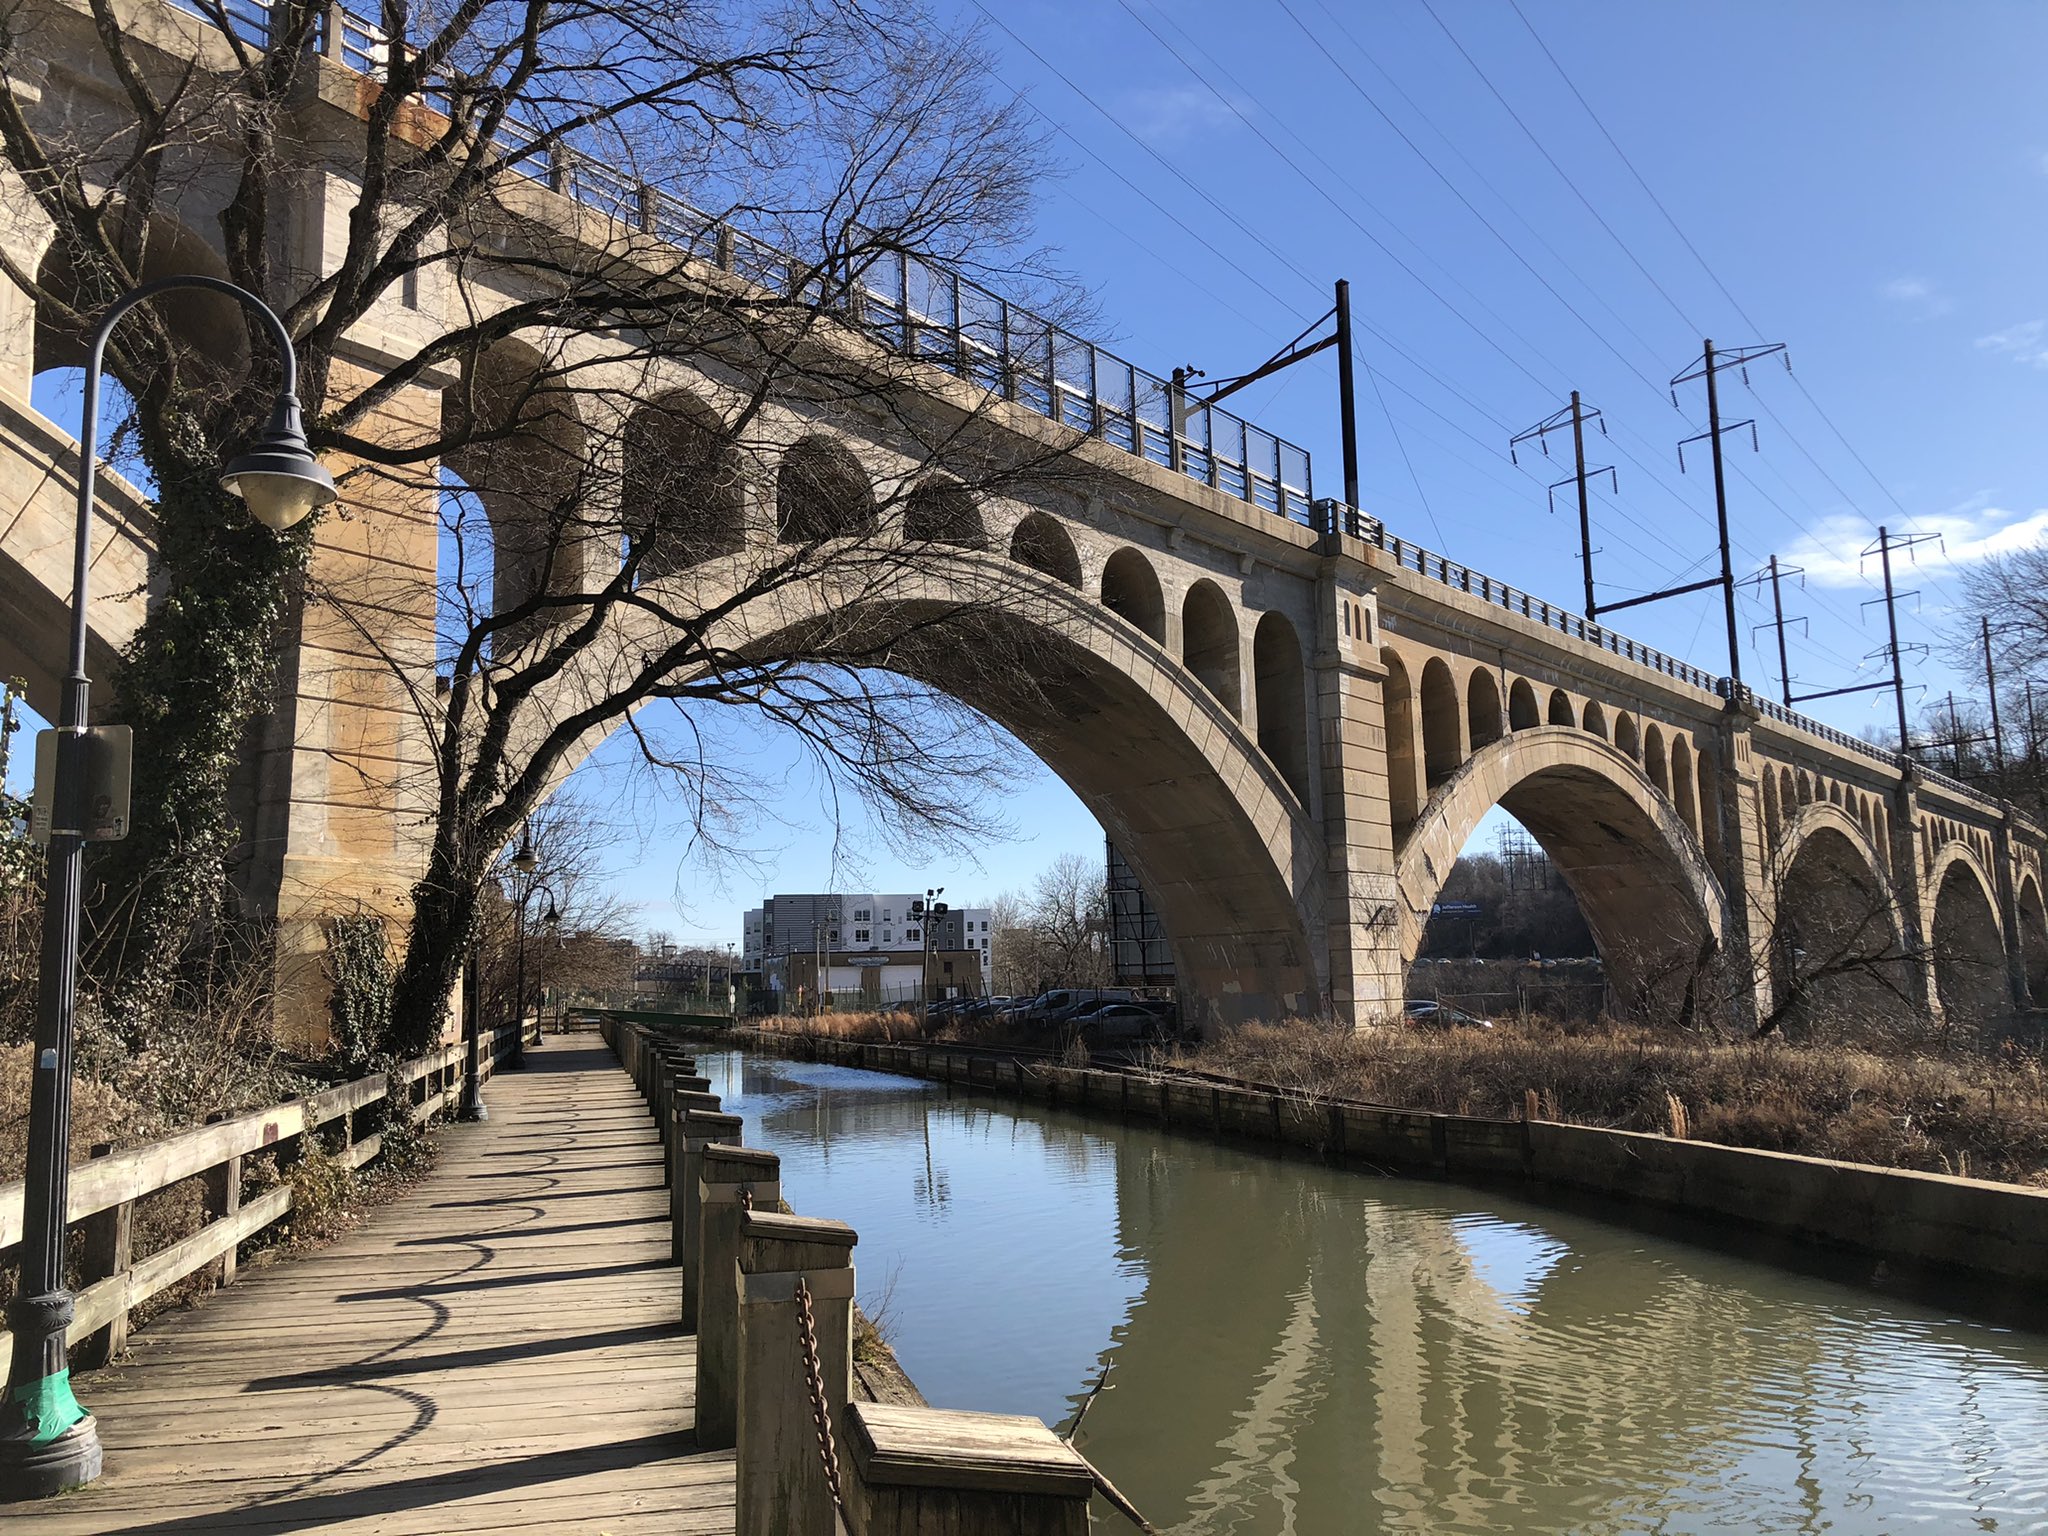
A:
(923, 310)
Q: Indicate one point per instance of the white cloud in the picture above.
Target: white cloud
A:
(1170, 115)
(1920, 293)
(1833, 554)
(2023, 343)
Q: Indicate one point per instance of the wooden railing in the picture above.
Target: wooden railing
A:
(105, 1189)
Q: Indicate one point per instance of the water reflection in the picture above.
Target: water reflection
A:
(1298, 1349)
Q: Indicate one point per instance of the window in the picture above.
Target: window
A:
(984, 927)
(861, 914)
(913, 933)
(835, 933)
(860, 935)
(888, 937)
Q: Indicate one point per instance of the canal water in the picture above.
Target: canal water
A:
(1296, 1350)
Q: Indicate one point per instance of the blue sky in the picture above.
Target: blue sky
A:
(1867, 183)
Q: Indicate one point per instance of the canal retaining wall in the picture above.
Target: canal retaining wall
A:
(1927, 1222)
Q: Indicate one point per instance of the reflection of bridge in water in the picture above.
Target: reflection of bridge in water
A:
(1308, 1350)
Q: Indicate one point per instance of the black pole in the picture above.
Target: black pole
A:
(1955, 736)
(1721, 518)
(1778, 615)
(1891, 620)
(1347, 397)
(472, 1044)
(1585, 513)
(518, 1056)
(48, 1442)
(1991, 688)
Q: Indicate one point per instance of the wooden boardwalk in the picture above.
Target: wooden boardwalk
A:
(495, 1351)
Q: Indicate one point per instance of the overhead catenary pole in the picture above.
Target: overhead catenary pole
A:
(1891, 619)
(1778, 623)
(1585, 512)
(1347, 396)
(1721, 518)
(1991, 690)
(1578, 414)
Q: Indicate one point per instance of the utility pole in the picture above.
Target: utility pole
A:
(1773, 572)
(1991, 689)
(1578, 415)
(1883, 550)
(1709, 367)
(1347, 397)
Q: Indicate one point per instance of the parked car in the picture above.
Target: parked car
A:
(1062, 1004)
(1132, 1020)
(1426, 1013)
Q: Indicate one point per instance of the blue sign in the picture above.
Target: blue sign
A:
(1456, 909)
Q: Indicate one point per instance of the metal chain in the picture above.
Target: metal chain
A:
(814, 1378)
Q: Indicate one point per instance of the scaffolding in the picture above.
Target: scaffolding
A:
(1139, 950)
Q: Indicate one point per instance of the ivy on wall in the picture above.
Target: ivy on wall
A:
(359, 1005)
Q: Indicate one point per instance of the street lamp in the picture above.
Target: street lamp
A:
(48, 1443)
(524, 862)
(928, 909)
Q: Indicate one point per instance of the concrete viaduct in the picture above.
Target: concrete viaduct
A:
(1289, 718)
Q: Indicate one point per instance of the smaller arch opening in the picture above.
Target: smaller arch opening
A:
(1042, 544)
(1596, 719)
(1209, 644)
(1653, 759)
(821, 492)
(1443, 744)
(1282, 700)
(1561, 708)
(1130, 589)
(1625, 734)
(940, 512)
(1522, 713)
(1482, 709)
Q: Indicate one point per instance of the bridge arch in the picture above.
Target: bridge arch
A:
(1482, 709)
(1211, 826)
(1443, 734)
(1130, 587)
(822, 492)
(1840, 952)
(1522, 706)
(1965, 940)
(1625, 735)
(1208, 630)
(525, 461)
(1654, 906)
(682, 485)
(939, 511)
(1407, 783)
(1043, 544)
(2033, 940)
(1280, 697)
(1653, 759)
(1561, 708)
(1595, 721)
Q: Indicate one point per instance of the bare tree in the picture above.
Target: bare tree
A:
(1058, 936)
(603, 578)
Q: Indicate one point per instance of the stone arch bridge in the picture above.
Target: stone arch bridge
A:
(1289, 718)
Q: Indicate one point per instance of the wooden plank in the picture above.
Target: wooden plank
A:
(496, 1350)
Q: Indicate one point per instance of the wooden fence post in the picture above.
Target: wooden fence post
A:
(109, 1249)
(929, 1472)
(730, 1176)
(223, 1198)
(701, 1128)
(790, 1266)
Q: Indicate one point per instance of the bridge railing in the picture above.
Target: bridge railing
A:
(913, 306)
(106, 1191)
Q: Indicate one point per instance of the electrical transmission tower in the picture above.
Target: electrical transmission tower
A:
(1576, 415)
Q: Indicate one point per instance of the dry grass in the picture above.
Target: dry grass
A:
(1960, 1114)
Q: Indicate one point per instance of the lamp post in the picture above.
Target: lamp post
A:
(48, 1443)
(524, 862)
(928, 909)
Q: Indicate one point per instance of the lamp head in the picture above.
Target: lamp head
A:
(277, 474)
(525, 860)
(551, 916)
